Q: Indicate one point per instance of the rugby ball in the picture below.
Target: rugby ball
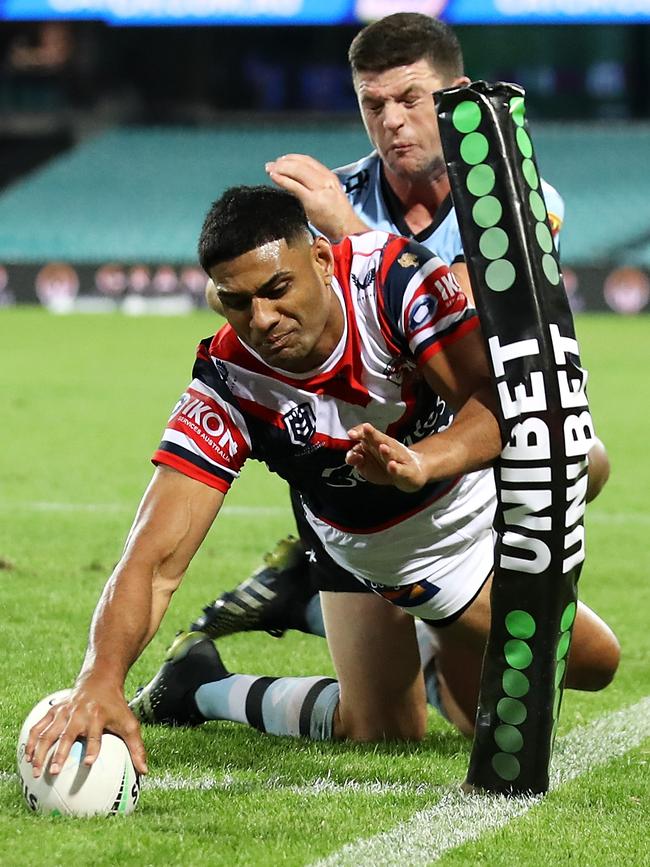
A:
(109, 787)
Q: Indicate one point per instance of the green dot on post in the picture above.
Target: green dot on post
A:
(517, 110)
(556, 704)
(480, 180)
(520, 624)
(568, 616)
(466, 116)
(508, 738)
(511, 711)
(493, 243)
(559, 672)
(500, 275)
(537, 205)
(474, 148)
(530, 173)
(544, 238)
(506, 766)
(515, 683)
(487, 211)
(518, 654)
(524, 143)
(563, 645)
(549, 266)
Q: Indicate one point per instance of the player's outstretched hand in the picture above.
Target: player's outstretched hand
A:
(384, 460)
(91, 709)
(320, 192)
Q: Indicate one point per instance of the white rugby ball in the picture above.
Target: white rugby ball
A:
(109, 787)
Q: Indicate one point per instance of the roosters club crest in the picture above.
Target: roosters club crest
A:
(300, 423)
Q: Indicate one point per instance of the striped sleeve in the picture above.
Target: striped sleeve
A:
(206, 437)
(423, 301)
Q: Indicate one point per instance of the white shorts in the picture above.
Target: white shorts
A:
(431, 564)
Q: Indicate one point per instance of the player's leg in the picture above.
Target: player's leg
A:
(377, 661)
(460, 645)
(278, 596)
(379, 693)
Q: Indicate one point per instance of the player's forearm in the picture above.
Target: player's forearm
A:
(337, 227)
(471, 442)
(121, 626)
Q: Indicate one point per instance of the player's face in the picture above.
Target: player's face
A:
(399, 115)
(278, 299)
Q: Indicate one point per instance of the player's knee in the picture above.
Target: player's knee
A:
(598, 471)
(600, 669)
(606, 664)
(408, 726)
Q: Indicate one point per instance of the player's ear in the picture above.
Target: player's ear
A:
(321, 251)
(461, 81)
(212, 298)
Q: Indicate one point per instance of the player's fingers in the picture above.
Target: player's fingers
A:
(302, 163)
(130, 734)
(68, 737)
(287, 183)
(35, 732)
(93, 741)
(45, 740)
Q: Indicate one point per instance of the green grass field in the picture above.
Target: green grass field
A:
(85, 400)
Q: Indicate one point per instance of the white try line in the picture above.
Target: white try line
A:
(458, 818)
(236, 785)
(107, 508)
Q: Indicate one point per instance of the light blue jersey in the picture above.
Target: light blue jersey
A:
(377, 205)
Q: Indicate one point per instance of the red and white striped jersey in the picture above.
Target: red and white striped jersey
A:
(402, 305)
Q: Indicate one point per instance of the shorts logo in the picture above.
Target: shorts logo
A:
(300, 423)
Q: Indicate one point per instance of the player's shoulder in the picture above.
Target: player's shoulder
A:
(358, 176)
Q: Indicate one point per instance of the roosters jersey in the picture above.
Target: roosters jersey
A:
(377, 205)
(402, 305)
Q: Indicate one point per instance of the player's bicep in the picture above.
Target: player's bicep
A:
(172, 520)
(460, 370)
(460, 272)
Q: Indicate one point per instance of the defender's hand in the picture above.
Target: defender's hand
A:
(91, 709)
(384, 460)
(320, 192)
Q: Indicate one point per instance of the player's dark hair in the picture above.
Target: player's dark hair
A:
(248, 217)
(404, 38)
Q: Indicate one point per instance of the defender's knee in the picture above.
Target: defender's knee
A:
(598, 470)
(595, 670)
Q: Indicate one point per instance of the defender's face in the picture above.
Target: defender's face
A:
(399, 116)
(278, 300)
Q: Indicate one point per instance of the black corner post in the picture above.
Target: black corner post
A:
(541, 476)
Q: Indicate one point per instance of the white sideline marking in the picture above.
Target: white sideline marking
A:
(459, 818)
(103, 508)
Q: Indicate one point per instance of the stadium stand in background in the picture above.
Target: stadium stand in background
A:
(114, 141)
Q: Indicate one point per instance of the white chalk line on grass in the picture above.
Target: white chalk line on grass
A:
(459, 819)
(234, 785)
(594, 516)
(456, 819)
(107, 508)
